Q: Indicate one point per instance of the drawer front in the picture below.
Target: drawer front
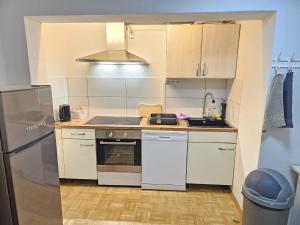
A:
(212, 137)
(78, 133)
(210, 163)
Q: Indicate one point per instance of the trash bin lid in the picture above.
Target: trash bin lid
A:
(268, 188)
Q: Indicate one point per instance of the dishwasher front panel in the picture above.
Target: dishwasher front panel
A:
(164, 160)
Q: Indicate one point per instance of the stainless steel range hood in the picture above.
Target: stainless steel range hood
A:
(117, 51)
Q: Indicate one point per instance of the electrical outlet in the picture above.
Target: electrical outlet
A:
(172, 82)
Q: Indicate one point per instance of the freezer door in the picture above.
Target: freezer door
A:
(5, 213)
(25, 115)
(34, 184)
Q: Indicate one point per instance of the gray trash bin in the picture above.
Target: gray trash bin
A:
(268, 197)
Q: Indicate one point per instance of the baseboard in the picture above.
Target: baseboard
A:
(236, 203)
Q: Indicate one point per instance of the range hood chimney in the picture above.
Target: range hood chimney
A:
(116, 52)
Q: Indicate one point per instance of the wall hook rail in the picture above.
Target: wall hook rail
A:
(291, 63)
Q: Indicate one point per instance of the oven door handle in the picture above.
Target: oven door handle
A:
(117, 143)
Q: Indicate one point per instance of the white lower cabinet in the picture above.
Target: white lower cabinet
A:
(210, 162)
(80, 159)
(60, 154)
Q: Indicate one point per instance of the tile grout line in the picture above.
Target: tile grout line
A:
(126, 110)
(87, 95)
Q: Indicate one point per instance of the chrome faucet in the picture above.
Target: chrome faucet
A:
(204, 103)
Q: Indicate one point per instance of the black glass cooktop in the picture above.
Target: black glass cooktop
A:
(109, 120)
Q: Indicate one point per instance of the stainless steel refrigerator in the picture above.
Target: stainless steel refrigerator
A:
(29, 183)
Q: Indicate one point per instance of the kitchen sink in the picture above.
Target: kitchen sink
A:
(203, 122)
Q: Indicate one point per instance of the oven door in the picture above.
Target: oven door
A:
(118, 155)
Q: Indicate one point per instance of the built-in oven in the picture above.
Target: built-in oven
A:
(119, 157)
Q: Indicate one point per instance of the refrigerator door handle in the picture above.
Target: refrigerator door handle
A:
(24, 147)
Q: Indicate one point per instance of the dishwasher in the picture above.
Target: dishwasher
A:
(164, 156)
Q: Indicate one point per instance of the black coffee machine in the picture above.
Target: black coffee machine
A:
(64, 113)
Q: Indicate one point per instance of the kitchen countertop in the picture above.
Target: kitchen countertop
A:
(81, 123)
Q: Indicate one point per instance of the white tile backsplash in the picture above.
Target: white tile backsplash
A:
(79, 102)
(133, 104)
(59, 87)
(190, 106)
(186, 89)
(115, 96)
(107, 106)
(217, 87)
(77, 86)
(144, 87)
(106, 87)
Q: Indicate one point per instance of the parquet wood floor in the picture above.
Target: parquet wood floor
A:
(200, 205)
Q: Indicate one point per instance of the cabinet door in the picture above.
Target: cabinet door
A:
(60, 156)
(219, 50)
(210, 163)
(183, 50)
(80, 159)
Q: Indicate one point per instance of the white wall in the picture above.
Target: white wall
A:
(64, 43)
(282, 143)
(2, 65)
(247, 96)
(36, 52)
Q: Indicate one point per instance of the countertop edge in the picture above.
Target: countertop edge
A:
(80, 124)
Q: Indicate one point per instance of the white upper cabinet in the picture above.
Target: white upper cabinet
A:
(183, 50)
(219, 50)
(202, 51)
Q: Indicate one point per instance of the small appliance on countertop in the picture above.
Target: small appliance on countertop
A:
(64, 113)
(163, 119)
(78, 112)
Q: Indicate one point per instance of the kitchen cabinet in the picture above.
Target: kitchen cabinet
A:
(60, 154)
(210, 161)
(183, 50)
(78, 133)
(202, 51)
(211, 137)
(79, 153)
(80, 159)
(219, 50)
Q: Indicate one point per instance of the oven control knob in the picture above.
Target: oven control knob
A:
(110, 134)
(125, 135)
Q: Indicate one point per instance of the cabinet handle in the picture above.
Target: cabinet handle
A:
(226, 149)
(81, 134)
(204, 70)
(117, 143)
(83, 145)
(198, 69)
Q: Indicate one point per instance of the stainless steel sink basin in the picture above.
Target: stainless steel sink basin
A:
(203, 122)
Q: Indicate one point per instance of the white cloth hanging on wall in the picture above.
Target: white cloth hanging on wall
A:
(274, 116)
